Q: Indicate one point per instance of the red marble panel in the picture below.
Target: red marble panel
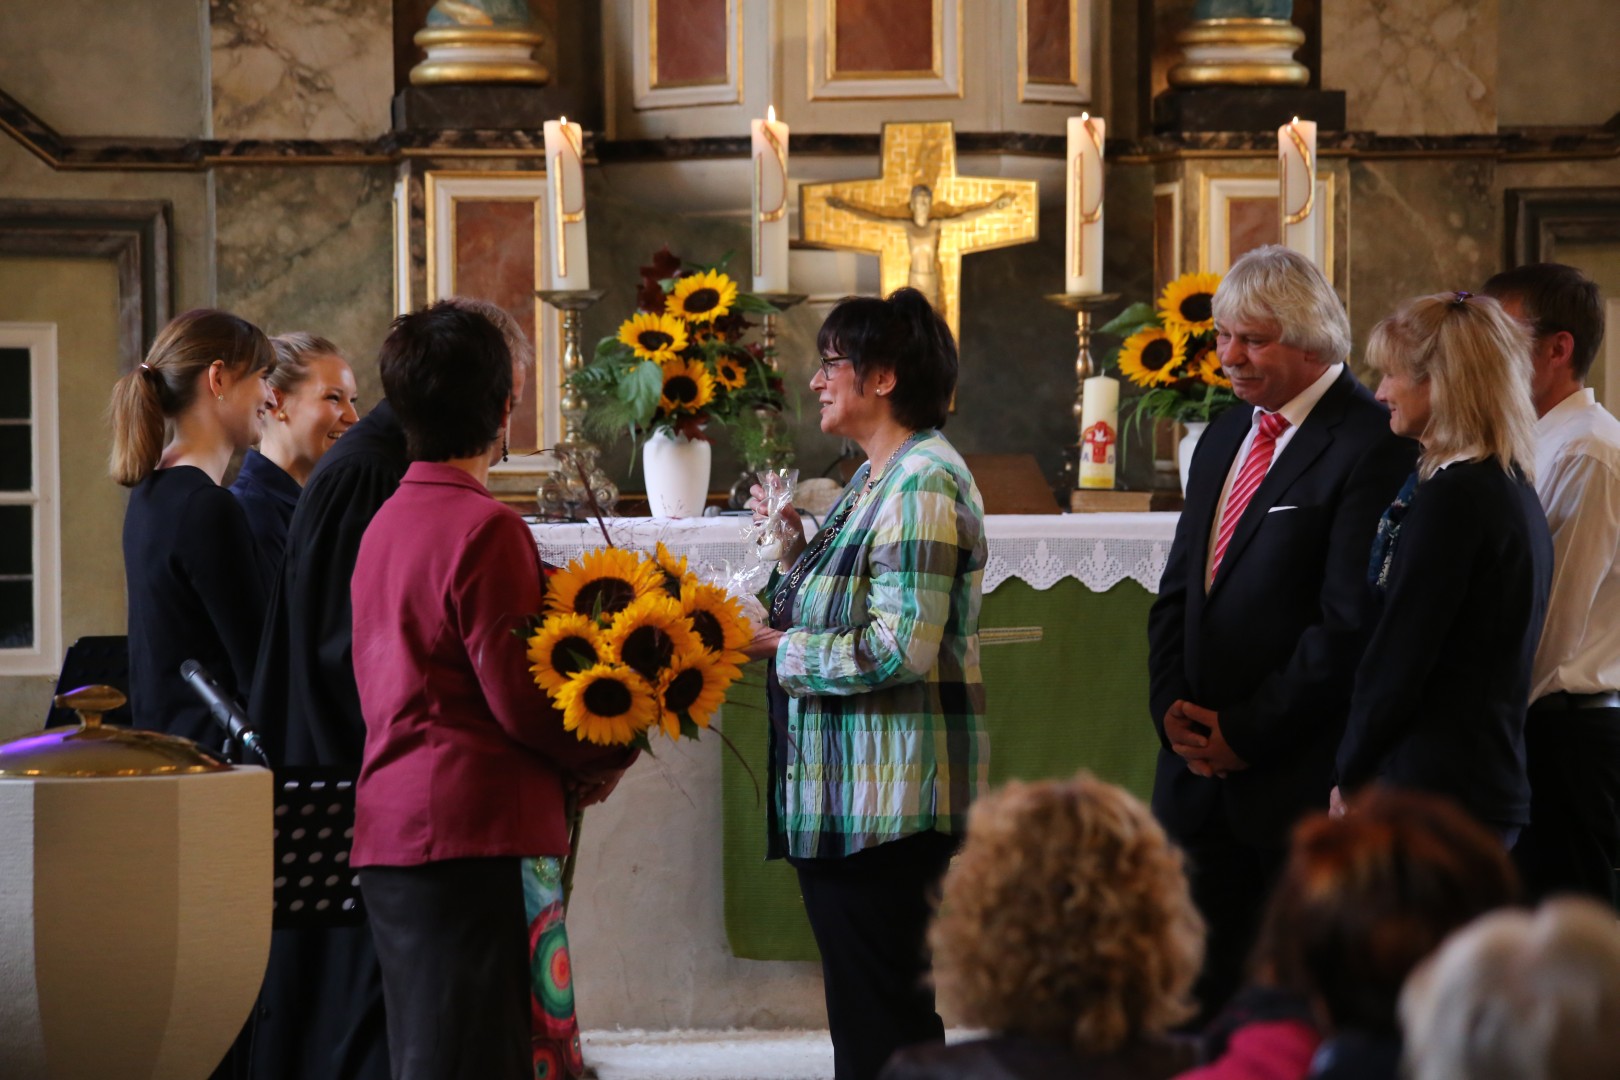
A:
(882, 37)
(1250, 223)
(691, 43)
(1051, 41)
(1164, 241)
(494, 261)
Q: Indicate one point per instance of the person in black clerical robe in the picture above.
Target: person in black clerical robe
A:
(320, 1013)
(193, 584)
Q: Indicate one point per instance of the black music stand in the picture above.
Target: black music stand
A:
(315, 887)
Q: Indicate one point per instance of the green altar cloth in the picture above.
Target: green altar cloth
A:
(1076, 698)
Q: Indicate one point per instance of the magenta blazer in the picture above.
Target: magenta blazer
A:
(465, 757)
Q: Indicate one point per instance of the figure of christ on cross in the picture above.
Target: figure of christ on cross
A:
(922, 232)
(919, 216)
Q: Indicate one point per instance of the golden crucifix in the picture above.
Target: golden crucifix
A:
(920, 217)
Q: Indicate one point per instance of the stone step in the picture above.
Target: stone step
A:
(709, 1055)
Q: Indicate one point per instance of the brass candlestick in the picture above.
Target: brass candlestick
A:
(564, 492)
(1083, 305)
(781, 302)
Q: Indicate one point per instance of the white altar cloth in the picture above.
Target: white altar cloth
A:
(1098, 550)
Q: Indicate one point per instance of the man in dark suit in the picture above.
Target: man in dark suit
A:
(1256, 633)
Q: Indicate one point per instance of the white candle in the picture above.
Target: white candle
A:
(566, 255)
(770, 251)
(1083, 237)
(1296, 187)
(1099, 431)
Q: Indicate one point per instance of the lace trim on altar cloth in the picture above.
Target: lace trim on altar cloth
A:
(1097, 550)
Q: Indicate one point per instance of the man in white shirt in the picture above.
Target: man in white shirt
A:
(1572, 736)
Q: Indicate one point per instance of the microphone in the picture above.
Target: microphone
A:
(226, 713)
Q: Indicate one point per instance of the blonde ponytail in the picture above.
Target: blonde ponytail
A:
(137, 426)
(165, 384)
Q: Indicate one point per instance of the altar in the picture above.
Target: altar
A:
(675, 908)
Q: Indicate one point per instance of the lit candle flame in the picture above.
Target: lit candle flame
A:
(770, 114)
(564, 121)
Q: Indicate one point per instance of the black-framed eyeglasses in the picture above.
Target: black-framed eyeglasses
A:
(827, 363)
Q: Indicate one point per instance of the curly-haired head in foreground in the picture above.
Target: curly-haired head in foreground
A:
(1066, 916)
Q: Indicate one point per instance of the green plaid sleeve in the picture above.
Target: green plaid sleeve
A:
(915, 548)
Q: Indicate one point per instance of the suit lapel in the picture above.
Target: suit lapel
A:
(1314, 436)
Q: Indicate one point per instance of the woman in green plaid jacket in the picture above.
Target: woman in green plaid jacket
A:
(877, 704)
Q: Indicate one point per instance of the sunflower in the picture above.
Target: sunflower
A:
(654, 337)
(730, 373)
(688, 386)
(716, 618)
(672, 569)
(702, 297)
(1206, 366)
(563, 646)
(648, 634)
(607, 704)
(695, 685)
(1186, 303)
(602, 582)
(1150, 357)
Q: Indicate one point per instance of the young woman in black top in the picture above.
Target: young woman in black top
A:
(314, 393)
(194, 588)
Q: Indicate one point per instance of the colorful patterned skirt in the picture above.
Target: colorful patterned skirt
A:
(551, 976)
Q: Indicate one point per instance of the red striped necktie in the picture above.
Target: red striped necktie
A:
(1248, 480)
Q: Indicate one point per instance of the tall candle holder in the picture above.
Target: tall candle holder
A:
(569, 489)
(770, 420)
(1083, 305)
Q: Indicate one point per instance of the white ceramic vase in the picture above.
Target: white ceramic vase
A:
(676, 469)
(1185, 448)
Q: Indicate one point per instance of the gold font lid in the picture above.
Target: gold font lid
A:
(90, 749)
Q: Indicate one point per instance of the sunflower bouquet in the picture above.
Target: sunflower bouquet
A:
(1169, 351)
(680, 362)
(630, 642)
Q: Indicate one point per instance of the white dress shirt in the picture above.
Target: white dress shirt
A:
(1578, 482)
(1295, 412)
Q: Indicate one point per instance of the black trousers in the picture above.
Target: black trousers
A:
(1230, 881)
(1573, 841)
(869, 912)
(452, 938)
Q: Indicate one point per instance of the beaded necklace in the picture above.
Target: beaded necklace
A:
(829, 532)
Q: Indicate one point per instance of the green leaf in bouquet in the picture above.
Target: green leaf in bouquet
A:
(643, 385)
(752, 302)
(1130, 320)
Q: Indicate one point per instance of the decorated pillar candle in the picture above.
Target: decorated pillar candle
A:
(1099, 431)
(1296, 187)
(1083, 236)
(566, 256)
(770, 233)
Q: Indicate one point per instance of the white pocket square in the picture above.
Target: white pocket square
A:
(1275, 509)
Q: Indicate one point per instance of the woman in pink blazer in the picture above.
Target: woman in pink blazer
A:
(466, 764)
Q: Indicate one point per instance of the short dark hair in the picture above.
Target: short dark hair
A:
(1556, 298)
(447, 373)
(903, 334)
(1365, 897)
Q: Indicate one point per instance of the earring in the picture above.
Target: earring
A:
(503, 449)
(282, 416)
(220, 396)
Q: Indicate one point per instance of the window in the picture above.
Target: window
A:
(30, 551)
